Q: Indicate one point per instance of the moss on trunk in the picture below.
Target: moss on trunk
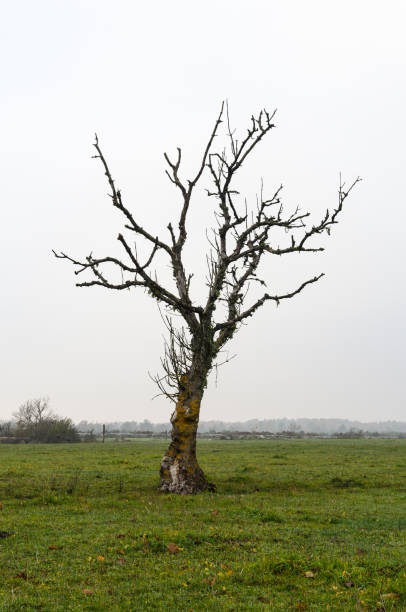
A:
(180, 471)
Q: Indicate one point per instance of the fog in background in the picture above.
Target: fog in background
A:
(149, 77)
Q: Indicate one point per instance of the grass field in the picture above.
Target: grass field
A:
(295, 525)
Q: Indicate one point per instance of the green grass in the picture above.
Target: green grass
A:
(91, 532)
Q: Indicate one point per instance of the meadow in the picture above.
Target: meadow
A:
(294, 525)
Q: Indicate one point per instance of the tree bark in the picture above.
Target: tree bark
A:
(180, 471)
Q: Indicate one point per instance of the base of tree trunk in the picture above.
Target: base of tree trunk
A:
(180, 477)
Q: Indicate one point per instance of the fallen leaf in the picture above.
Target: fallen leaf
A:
(54, 547)
(264, 600)
(309, 574)
(121, 536)
(215, 512)
(100, 558)
(87, 592)
(388, 595)
(22, 575)
(173, 548)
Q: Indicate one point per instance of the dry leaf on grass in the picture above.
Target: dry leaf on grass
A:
(173, 548)
(309, 574)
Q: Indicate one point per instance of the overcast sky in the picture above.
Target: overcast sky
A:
(149, 77)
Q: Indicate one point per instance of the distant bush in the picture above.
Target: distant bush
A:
(6, 428)
(50, 429)
(36, 422)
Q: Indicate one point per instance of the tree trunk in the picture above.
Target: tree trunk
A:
(180, 472)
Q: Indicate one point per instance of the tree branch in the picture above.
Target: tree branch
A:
(118, 203)
(239, 243)
(276, 298)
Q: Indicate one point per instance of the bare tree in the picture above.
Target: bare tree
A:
(36, 421)
(241, 240)
(33, 412)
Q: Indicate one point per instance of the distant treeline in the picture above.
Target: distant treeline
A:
(34, 421)
(317, 426)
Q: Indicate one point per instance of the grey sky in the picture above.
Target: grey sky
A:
(149, 77)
